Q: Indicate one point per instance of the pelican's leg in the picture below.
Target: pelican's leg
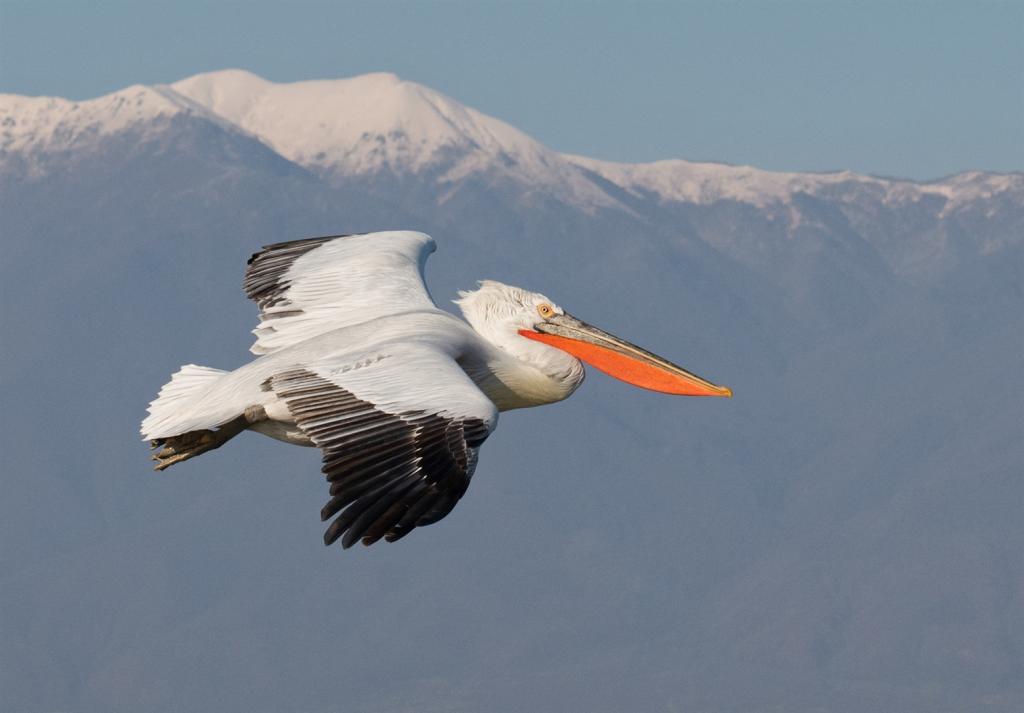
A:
(175, 449)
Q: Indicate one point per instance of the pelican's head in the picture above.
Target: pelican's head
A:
(535, 329)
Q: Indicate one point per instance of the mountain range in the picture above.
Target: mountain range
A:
(844, 534)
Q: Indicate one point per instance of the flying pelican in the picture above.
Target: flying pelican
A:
(356, 359)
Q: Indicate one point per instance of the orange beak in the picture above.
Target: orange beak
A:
(619, 358)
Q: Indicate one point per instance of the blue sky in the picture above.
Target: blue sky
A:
(916, 89)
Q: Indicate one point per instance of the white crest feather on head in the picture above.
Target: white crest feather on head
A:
(495, 308)
(493, 299)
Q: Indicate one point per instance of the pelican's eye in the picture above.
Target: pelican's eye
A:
(545, 310)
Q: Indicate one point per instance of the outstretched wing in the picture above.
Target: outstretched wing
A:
(308, 287)
(399, 431)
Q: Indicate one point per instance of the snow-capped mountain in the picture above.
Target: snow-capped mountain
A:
(378, 122)
(843, 535)
(381, 131)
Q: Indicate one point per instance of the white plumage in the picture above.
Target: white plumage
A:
(344, 282)
(356, 359)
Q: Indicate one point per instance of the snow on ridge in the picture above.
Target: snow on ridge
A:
(676, 180)
(53, 123)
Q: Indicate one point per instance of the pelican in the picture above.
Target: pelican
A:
(355, 359)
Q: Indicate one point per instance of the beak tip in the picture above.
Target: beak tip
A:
(727, 392)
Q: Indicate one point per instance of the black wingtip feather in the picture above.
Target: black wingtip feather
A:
(389, 472)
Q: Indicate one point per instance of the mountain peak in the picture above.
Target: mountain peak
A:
(356, 125)
(55, 124)
(379, 122)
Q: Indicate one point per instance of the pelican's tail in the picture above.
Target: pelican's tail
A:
(171, 411)
(171, 425)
